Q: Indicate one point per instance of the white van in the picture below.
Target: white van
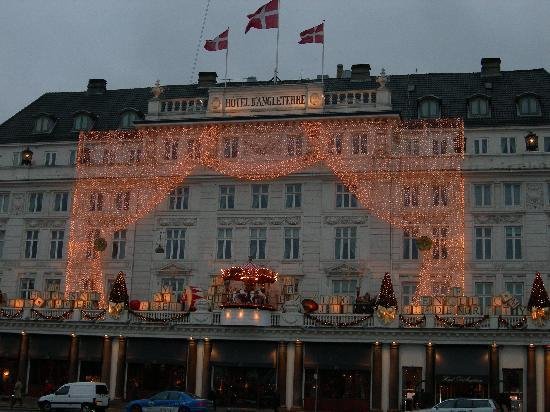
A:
(86, 396)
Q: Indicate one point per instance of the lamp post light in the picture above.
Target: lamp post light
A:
(531, 142)
(26, 157)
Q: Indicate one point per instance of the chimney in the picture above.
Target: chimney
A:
(490, 67)
(207, 79)
(339, 71)
(97, 86)
(360, 72)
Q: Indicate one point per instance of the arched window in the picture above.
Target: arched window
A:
(128, 119)
(528, 106)
(478, 107)
(82, 122)
(429, 108)
(44, 124)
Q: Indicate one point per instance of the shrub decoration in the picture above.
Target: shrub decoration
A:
(424, 243)
(100, 244)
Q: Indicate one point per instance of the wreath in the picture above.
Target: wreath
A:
(424, 243)
(100, 244)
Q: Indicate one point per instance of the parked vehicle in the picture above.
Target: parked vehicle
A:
(170, 401)
(86, 396)
(464, 405)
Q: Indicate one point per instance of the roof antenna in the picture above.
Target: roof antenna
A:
(199, 43)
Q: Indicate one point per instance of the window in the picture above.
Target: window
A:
(257, 242)
(193, 149)
(294, 145)
(515, 289)
(179, 198)
(344, 287)
(293, 195)
(56, 244)
(230, 147)
(16, 159)
(175, 243)
(410, 196)
(50, 158)
(52, 285)
(72, 158)
(43, 124)
(508, 145)
(344, 244)
(478, 107)
(177, 284)
(96, 202)
(85, 156)
(336, 145)
(225, 236)
(513, 242)
(528, 106)
(119, 245)
(31, 244)
(82, 122)
(170, 149)
(2, 240)
(482, 195)
(439, 248)
(408, 289)
(260, 195)
(61, 201)
(359, 144)
(482, 242)
(484, 291)
(292, 243)
(26, 287)
(122, 201)
(35, 202)
(429, 109)
(512, 194)
(108, 156)
(440, 195)
(4, 202)
(127, 120)
(547, 144)
(439, 146)
(344, 198)
(410, 250)
(481, 146)
(227, 197)
(412, 147)
(136, 155)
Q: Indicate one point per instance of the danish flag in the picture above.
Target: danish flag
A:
(266, 17)
(219, 43)
(314, 35)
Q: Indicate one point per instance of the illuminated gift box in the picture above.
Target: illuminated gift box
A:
(513, 303)
(407, 310)
(35, 294)
(157, 297)
(347, 308)
(72, 295)
(335, 308)
(84, 296)
(166, 289)
(473, 300)
(68, 304)
(439, 300)
(323, 308)
(346, 300)
(426, 300)
(334, 300)
(438, 309)
(456, 291)
(463, 300)
(88, 305)
(29, 303)
(50, 304)
(449, 310)
(39, 302)
(428, 310)
(167, 297)
(506, 310)
(476, 310)
(143, 305)
(58, 303)
(464, 310)
(18, 303)
(497, 301)
(156, 305)
(56, 295)
(174, 307)
(79, 304)
(417, 310)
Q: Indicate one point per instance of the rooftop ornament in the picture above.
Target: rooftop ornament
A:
(157, 89)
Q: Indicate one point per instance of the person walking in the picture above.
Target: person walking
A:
(17, 394)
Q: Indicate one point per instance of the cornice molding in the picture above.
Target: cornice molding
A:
(259, 220)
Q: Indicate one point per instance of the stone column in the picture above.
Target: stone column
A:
(494, 371)
(206, 368)
(393, 387)
(429, 377)
(298, 374)
(547, 377)
(23, 359)
(191, 370)
(531, 401)
(73, 358)
(289, 375)
(120, 391)
(281, 371)
(106, 361)
(376, 398)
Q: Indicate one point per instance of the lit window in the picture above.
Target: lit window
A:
(128, 118)
(528, 106)
(512, 194)
(345, 242)
(440, 195)
(193, 149)
(227, 197)
(53, 285)
(410, 196)
(56, 244)
(170, 149)
(508, 145)
(225, 236)
(516, 290)
(257, 242)
(439, 247)
(96, 202)
(260, 196)
(439, 146)
(292, 243)
(429, 109)
(50, 158)
(44, 124)
(61, 202)
(119, 244)
(293, 198)
(230, 147)
(82, 122)
(122, 201)
(344, 287)
(108, 156)
(359, 144)
(344, 198)
(26, 287)
(482, 242)
(478, 107)
(31, 244)
(480, 146)
(2, 239)
(336, 145)
(513, 242)
(177, 284)
(179, 198)
(135, 155)
(484, 291)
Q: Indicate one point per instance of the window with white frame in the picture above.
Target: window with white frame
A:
(484, 291)
(179, 198)
(483, 242)
(52, 284)
(440, 195)
(513, 242)
(82, 122)
(193, 149)
(439, 146)
(344, 286)
(56, 244)
(482, 195)
(410, 196)
(429, 108)
(512, 194)
(258, 241)
(119, 244)
(528, 106)
(344, 198)
(4, 202)
(96, 202)
(178, 284)
(294, 145)
(72, 158)
(171, 149)
(508, 145)
(61, 202)
(35, 202)
(49, 159)
(515, 289)
(230, 147)
(2, 240)
(439, 247)
(227, 197)
(136, 155)
(225, 237)
(345, 242)
(336, 145)
(410, 250)
(26, 286)
(478, 107)
(175, 243)
(31, 244)
(260, 196)
(481, 145)
(293, 195)
(408, 289)
(359, 144)
(122, 201)
(291, 243)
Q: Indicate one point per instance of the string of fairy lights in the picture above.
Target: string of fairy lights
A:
(406, 173)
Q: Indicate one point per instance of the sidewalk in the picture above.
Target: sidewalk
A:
(30, 404)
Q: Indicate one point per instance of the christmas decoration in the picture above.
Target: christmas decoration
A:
(118, 297)
(93, 316)
(39, 315)
(539, 296)
(424, 243)
(134, 304)
(387, 315)
(386, 297)
(147, 318)
(4, 314)
(460, 323)
(322, 322)
(520, 324)
(309, 305)
(412, 323)
(100, 244)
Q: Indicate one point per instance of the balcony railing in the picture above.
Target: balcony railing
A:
(350, 98)
(183, 106)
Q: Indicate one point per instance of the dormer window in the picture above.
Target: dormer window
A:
(128, 118)
(528, 105)
(82, 122)
(44, 124)
(429, 108)
(478, 107)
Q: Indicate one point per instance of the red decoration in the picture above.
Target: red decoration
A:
(266, 17)
(309, 305)
(134, 304)
(250, 274)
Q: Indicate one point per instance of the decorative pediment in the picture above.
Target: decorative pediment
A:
(174, 270)
(343, 270)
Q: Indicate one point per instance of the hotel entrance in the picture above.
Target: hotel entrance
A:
(462, 386)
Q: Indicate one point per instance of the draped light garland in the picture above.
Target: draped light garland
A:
(407, 173)
(322, 322)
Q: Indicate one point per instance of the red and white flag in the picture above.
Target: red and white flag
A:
(219, 43)
(314, 35)
(266, 17)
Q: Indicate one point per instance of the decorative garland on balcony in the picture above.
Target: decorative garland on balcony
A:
(7, 315)
(520, 324)
(246, 306)
(337, 324)
(414, 322)
(64, 316)
(451, 323)
(147, 318)
(93, 316)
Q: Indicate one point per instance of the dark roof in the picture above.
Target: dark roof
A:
(453, 90)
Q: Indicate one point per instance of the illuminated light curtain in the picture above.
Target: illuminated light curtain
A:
(123, 175)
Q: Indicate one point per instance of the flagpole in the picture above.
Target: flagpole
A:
(226, 53)
(323, 57)
(277, 46)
